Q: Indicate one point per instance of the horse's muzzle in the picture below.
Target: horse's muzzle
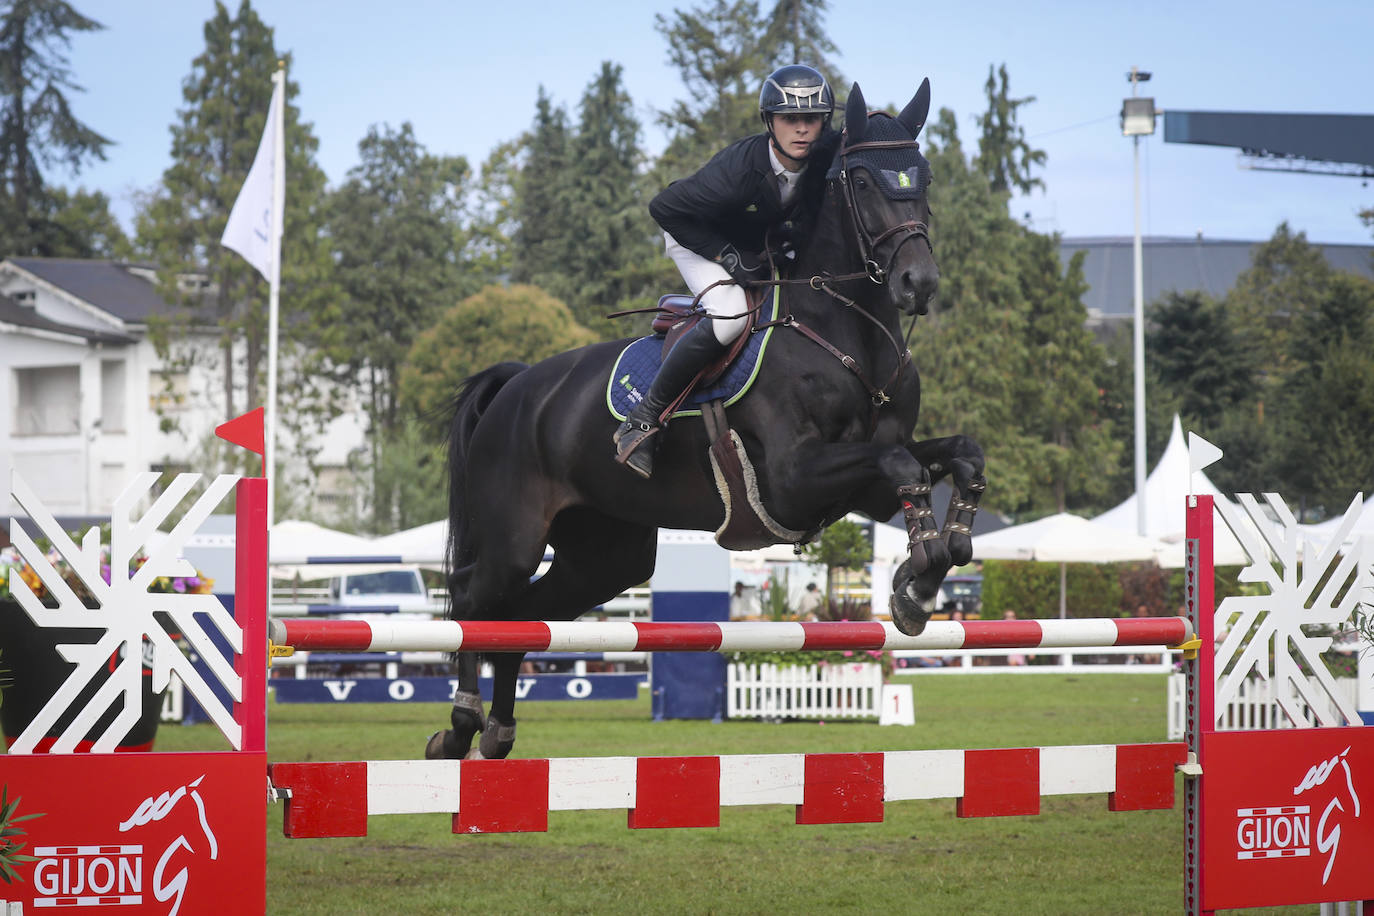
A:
(915, 288)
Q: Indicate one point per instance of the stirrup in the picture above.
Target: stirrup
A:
(629, 440)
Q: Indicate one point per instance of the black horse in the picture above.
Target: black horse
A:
(826, 427)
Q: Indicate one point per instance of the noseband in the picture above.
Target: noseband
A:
(868, 243)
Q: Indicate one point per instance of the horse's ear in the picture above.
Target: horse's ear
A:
(913, 116)
(855, 115)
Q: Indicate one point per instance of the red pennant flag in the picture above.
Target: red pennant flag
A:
(246, 431)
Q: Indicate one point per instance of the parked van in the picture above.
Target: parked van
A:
(401, 587)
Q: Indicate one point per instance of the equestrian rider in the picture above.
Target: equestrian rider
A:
(716, 225)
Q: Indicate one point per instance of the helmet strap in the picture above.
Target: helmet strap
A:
(773, 139)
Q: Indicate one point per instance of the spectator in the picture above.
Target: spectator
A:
(810, 604)
(739, 602)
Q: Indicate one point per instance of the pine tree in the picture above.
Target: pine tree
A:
(37, 127)
(796, 35)
(1004, 156)
(544, 236)
(396, 231)
(606, 207)
(721, 55)
(1062, 406)
(227, 95)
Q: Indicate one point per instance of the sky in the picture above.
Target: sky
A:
(466, 76)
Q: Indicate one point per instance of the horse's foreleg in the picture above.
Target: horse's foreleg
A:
(962, 459)
(466, 716)
(499, 735)
(840, 470)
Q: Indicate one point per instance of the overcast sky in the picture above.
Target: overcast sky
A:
(466, 75)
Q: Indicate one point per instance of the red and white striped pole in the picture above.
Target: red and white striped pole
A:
(528, 636)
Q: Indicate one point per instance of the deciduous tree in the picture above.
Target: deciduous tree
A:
(500, 323)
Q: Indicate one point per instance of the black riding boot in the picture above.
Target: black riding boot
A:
(693, 352)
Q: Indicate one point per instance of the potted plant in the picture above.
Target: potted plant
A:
(36, 669)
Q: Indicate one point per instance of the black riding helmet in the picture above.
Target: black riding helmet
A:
(795, 89)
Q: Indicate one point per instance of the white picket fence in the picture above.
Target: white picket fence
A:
(1254, 706)
(850, 691)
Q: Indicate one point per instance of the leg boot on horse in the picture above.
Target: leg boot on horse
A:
(696, 350)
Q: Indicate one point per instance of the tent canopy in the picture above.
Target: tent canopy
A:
(1064, 538)
(1166, 492)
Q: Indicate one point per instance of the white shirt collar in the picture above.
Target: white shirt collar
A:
(778, 168)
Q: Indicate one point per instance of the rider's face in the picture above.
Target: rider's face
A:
(795, 134)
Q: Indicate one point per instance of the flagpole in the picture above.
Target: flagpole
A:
(274, 286)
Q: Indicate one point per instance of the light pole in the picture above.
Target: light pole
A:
(1137, 120)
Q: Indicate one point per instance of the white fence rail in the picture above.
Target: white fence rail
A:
(803, 691)
(1101, 660)
(1254, 706)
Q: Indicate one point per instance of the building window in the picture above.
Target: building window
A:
(48, 401)
(168, 390)
(28, 298)
(112, 396)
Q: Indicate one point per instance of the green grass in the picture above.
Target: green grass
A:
(1075, 857)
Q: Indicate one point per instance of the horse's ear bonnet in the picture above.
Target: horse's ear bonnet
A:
(902, 171)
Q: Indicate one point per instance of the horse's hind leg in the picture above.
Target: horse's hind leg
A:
(595, 559)
(466, 715)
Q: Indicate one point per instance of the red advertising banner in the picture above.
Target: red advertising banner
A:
(162, 833)
(1288, 816)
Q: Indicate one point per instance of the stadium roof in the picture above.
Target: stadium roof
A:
(1177, 265)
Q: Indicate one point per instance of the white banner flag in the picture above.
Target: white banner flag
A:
(254, 227)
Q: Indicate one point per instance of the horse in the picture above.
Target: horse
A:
(826, 429)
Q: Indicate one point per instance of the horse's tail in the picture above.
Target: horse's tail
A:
(472, 400)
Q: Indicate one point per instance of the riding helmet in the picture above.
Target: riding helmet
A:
(796, 88)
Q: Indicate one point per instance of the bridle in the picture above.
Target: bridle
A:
(868, 243)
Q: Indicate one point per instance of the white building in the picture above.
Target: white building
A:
(88, 402)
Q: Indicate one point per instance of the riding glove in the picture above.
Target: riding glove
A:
(744, 267)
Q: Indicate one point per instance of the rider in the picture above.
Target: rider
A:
(716, 223)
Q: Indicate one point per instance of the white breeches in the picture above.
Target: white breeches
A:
(727, 299)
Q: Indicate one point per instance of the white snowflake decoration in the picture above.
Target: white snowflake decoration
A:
(1267, 635)
(124, 617)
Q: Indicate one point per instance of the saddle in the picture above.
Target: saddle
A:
(747, 524)
(677, 315)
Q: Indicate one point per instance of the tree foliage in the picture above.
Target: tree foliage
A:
(227, 95)
(717, 51)
(1004, 155)
(796, 35)
(500, 323)
(396, 231)
(843, 545)
(37, 127)
(1004, 353)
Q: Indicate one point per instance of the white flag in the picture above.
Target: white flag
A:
(254, 227)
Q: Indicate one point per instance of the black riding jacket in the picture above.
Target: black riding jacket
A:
(733, 199)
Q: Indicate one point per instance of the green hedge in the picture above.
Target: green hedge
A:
(1092, 589)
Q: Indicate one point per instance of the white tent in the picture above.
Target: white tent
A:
(297, 543)
(1322, 532)
(296, 548)
(423, 544)
(1166, 492)
(1062, 539)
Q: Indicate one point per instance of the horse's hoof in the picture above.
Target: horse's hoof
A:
(909, 613)
(446, 745)
(497, 740)
(434, 748)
